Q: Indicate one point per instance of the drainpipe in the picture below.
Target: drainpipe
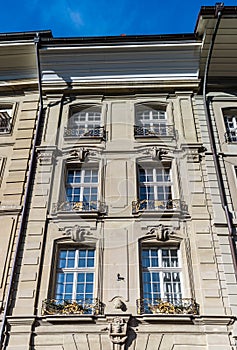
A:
(25, 204)
(206, 100)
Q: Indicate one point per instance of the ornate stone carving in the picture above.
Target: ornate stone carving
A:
(80, 154)
(194, 154)
(161, 232)
(77, 233)
(118, 332)
(158, 153)
(46, 158)
(118, 303)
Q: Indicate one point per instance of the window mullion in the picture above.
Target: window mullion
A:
(234, 120)
(75, 272)
(161, 273)
(82, 184)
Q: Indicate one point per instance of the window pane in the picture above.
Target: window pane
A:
(89, 277)
(82, 262)
(80, 288)
(145, 258)
(142, 175)
(81, 277)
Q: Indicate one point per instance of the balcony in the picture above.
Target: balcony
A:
(72, 307)
(167, 306)
(75, 207)
(156, 205)
(160, 130)
(92, 133)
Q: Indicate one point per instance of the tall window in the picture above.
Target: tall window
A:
(150, 120)
(161, 274)
(82, 188)
(230, 118)
(5, 119)
(85, 121)
(75, 275)
(155, 188)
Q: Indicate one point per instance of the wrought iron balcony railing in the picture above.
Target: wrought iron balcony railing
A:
(72, 307)
(157, 205)
(231, 136)
(93, 206)
(166, 306)
(96, 132)
(159, 130)
(5, 129)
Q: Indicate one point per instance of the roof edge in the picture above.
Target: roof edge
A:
(29, 35)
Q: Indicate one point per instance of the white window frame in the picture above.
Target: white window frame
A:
(75, 270)
(82, 185)
(161, 270)
(155, 184)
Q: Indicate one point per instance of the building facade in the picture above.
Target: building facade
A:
(118, 189)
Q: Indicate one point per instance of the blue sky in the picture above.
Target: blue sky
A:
(69, 18)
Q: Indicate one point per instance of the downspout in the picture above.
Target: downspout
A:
(206, 100)
(26, 197)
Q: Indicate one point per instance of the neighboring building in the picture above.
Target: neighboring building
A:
(118, 190)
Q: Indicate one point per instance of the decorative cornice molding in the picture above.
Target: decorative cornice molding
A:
(46, 155)
(193, 152)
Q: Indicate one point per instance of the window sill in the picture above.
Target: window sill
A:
(75, 214)
(152, 137)
(68, 318)
(84, 139)
(160, 318)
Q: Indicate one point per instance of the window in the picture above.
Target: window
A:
(82, 188)
(151, 121)
(5, 119)
(155, 188)
(230, 119)
(161, 276)
(85, 121)
(75, 275)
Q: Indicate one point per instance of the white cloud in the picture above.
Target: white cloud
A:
(75, 16)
